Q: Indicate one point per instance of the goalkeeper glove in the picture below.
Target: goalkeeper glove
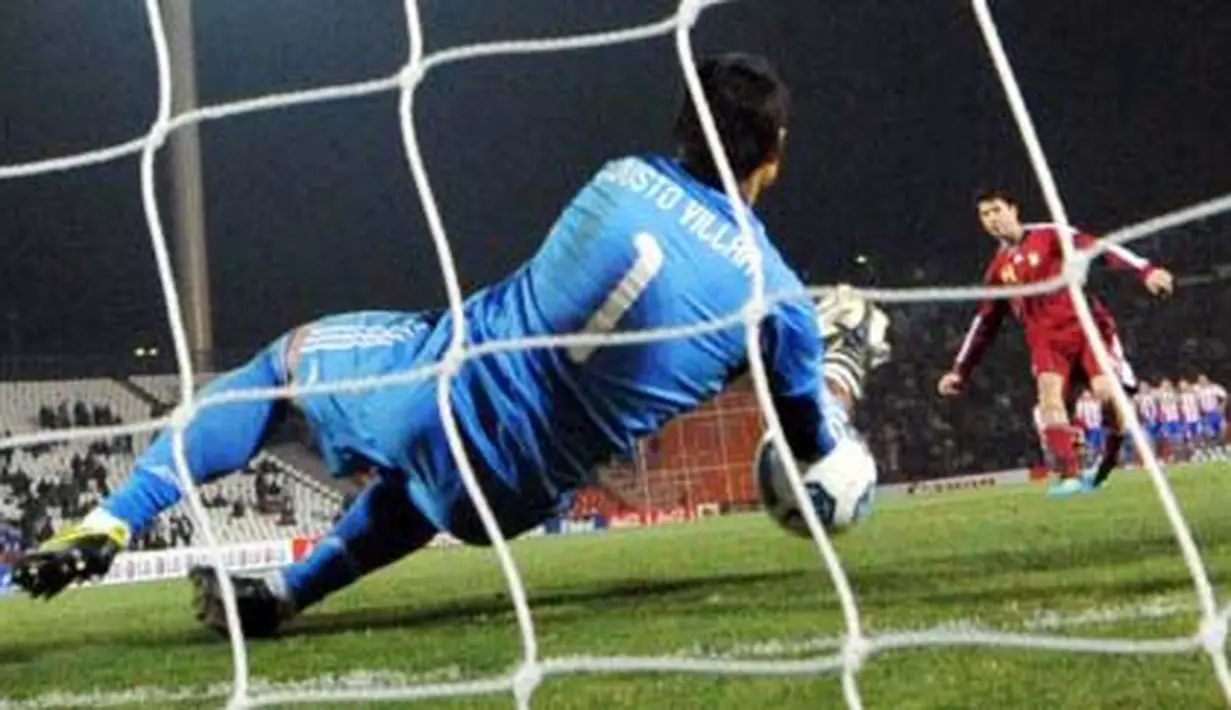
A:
(77, 553)
(855, 334)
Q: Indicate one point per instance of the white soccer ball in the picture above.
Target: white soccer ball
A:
(841, 486)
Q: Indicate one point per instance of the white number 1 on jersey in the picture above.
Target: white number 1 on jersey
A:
(638, 277)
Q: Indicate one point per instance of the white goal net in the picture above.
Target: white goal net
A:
(858, 645)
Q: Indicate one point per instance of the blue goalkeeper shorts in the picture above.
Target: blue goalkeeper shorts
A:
(398, 426)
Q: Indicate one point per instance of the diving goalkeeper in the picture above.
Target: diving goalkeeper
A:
(650, 242)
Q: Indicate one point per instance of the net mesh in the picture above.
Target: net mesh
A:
(857, 646)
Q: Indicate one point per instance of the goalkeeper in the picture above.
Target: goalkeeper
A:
(649, 242)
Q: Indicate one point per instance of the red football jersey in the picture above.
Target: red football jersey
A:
(1037, 257)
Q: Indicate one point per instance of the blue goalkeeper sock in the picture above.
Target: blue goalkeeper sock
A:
(380, 527)
(220, 439)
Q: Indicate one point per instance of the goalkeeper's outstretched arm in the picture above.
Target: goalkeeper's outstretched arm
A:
(818, 357)
(793, 355)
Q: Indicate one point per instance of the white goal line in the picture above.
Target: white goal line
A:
(336, 686)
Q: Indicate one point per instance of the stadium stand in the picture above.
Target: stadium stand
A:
(42, 486)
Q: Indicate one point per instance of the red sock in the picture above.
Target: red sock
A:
(1059, 439)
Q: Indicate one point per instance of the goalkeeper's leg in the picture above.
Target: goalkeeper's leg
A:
(220, 439)
(380, 527)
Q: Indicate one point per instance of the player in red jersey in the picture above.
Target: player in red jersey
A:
(1059, 351)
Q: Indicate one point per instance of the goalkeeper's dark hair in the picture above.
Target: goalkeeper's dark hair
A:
(749, 101)
(996, 193)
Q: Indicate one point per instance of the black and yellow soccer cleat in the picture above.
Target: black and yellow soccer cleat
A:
(75, 554)
(261, 610)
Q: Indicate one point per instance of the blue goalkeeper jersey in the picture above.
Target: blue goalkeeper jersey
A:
(643, 245)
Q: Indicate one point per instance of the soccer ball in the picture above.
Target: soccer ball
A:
(841, 486)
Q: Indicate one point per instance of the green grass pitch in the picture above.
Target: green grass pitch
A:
(1103, 565)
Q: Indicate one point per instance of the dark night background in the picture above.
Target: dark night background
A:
(898, 117)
